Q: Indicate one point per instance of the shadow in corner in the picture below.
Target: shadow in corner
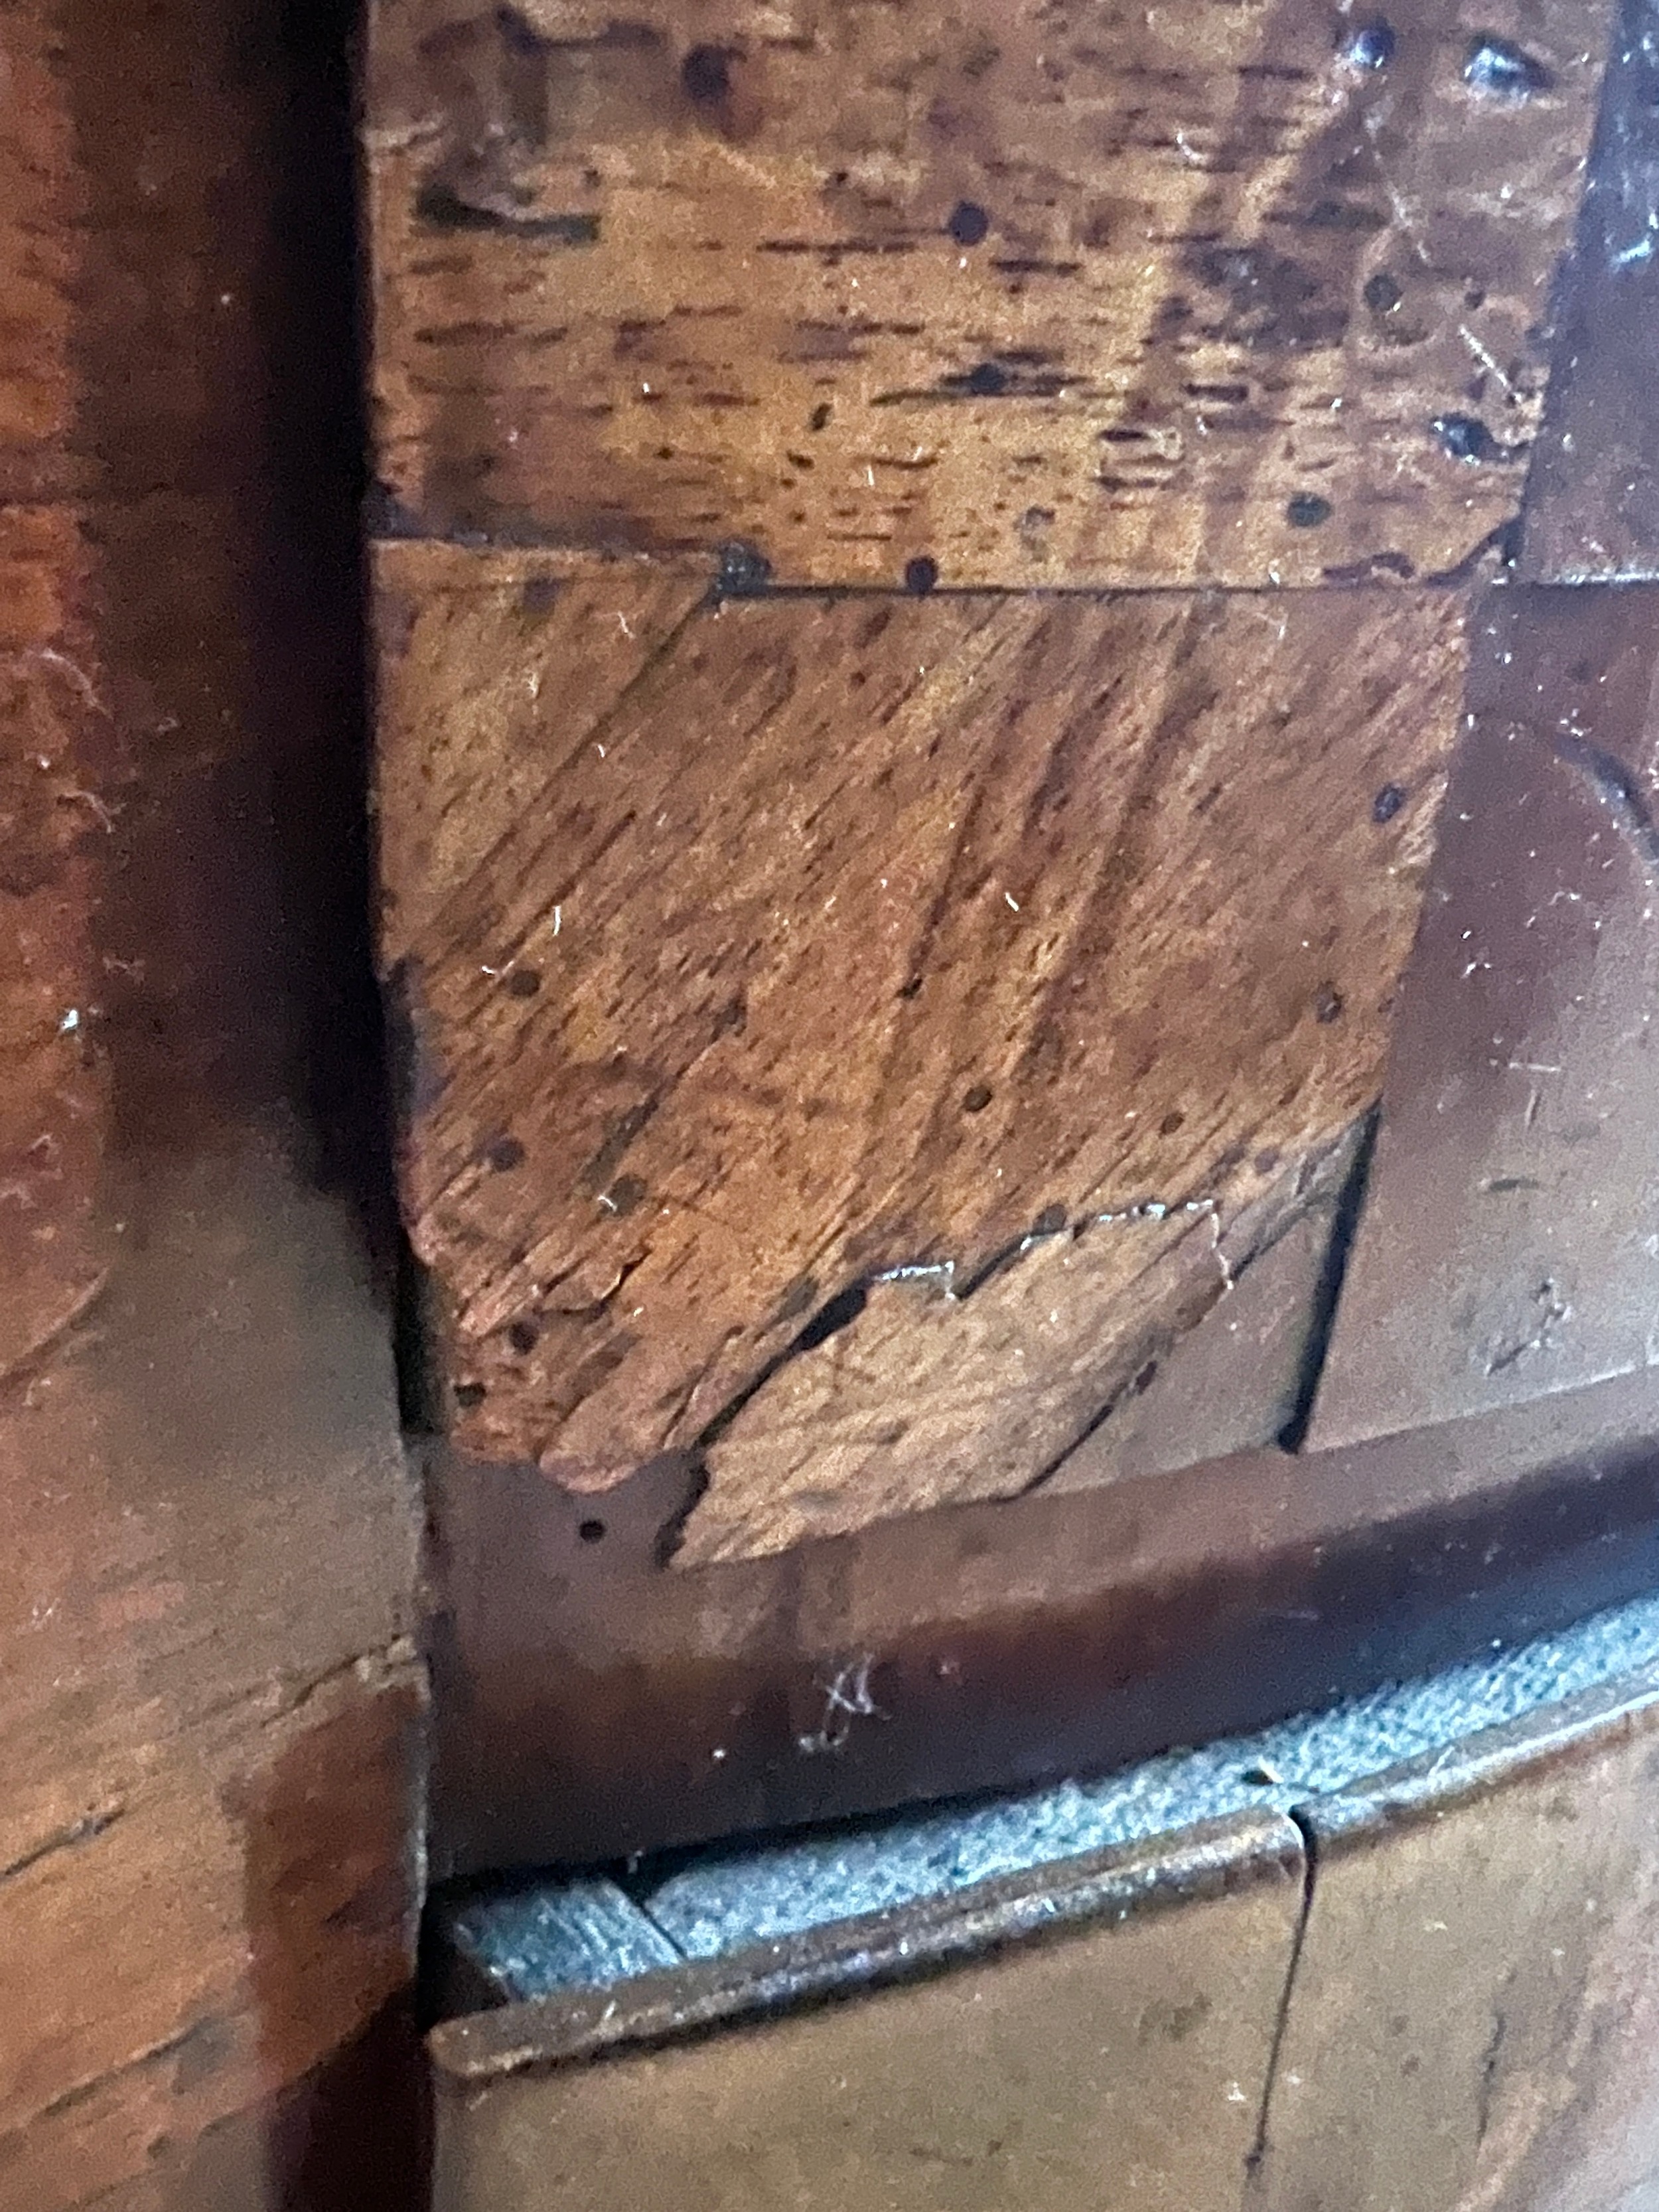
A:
(332, 1896)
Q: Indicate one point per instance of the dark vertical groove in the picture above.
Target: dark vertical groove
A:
(1256, 2158)
(1345, 1225)
(318, 438)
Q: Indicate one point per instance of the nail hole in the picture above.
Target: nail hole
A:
(986, 378)
(1382, 292)
(1370, 45)
(591, 1532)
(920, 575)
(969, 224)
(976, 1100)
(705, 73)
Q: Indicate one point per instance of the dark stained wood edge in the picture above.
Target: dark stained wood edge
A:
(989, 1646)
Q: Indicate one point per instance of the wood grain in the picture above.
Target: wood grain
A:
(1471, 2023)
(581, 632)
(1592, 502)
(926, 1397)
(1507, 1246)
(59, 757)
(209, 1703)
(1021, 293)
(881, 934)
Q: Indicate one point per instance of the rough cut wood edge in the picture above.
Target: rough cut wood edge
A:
(924, 1399)
(1004, 294)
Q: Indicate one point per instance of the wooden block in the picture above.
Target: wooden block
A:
(873, 979)
(997, 294)
(1507, 1248)
(1473, 2018)
(1072, 2025)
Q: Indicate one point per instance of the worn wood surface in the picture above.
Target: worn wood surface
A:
(1243, 1377)
(209, 1707)
(1592, 499)
(927, 1396)
(1001, 294)
(1507, 1248)
(1058, 2072)
(1471, 2025)
(1029, 944)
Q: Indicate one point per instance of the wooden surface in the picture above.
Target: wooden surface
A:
(995, 967)
(1463, 2022)
(1058, 2072)
(1021, 295)
(62, 756)
(1506, 1248)
(796, 986)
(1472, 2021)
(206, 1871)
(211, 1713)
(997, 1644)
(1592, 501)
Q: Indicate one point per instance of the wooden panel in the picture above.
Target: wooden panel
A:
(448, 794)
(994, 293)
(209, 1703)
(886, 975)
(926, 1396)
(1592, 503)
(1507, 1247)
(1472, 2025)
(1091, 2010)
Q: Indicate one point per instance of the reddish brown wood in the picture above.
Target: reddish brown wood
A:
(1030, 294)
(210, 1704)
(852, 936)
